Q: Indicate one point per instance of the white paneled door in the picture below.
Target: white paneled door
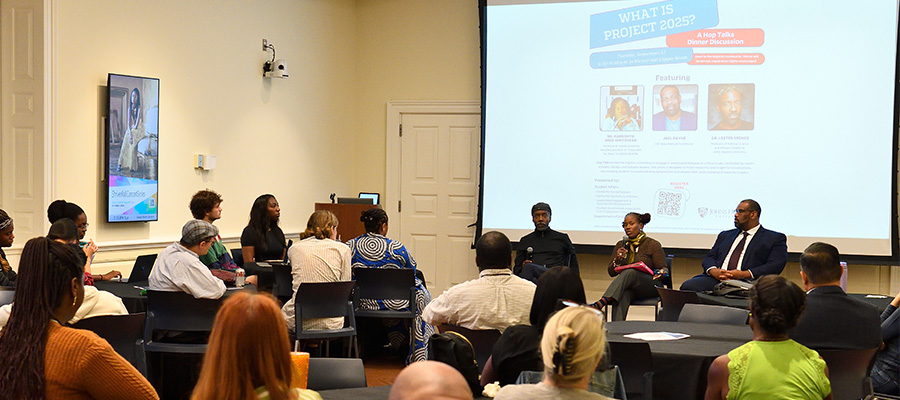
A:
(439, 172)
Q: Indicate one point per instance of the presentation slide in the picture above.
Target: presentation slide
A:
(133, 148)
(683, 108)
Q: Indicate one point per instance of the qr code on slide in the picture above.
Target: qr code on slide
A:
(669, 203)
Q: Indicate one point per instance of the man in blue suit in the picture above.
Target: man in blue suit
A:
(747, 253)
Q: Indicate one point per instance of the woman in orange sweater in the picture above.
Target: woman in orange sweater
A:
(53, 361)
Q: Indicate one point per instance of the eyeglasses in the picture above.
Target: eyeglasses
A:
(569, 303)
(739, 211)
(83, 226)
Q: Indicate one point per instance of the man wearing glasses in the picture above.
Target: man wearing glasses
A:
(747, 252)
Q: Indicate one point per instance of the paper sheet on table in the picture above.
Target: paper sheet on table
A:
(651, 336)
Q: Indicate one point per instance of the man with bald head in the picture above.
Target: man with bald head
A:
(430, 380)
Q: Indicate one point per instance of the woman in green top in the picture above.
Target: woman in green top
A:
(772, 366)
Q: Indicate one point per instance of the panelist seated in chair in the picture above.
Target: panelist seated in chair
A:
(632, 283)
(571, 348)
(178, 267)
(772, 366)
(746, 253)
(262, 239)
(374, 250)
(543, 248)
(317, 257)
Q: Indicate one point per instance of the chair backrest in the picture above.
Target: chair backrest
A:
(710, 314)
(673, 301)
(178, 311)
(482, 341)
(238, 256)
(282, 288)
(123, 332)
(667, 281)
(323, 300)
(289, 244)
(384, 283)
(848, 371)
(335, 373)
(635, 362)
(6, 295)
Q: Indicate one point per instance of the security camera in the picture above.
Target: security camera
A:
(275, 69)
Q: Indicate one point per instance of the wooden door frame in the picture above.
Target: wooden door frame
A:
(395, 111)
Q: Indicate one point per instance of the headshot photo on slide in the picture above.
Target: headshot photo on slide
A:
(621, 108)
(731, 106)
(675, 107)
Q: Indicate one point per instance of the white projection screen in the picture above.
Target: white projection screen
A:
(683, 108)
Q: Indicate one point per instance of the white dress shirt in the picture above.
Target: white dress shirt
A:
(178, 269)
(751, 233)
(496, 300)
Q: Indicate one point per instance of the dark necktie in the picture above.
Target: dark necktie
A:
(736, 254)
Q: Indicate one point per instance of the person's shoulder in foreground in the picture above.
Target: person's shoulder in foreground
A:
(545, 391)
(430, 380)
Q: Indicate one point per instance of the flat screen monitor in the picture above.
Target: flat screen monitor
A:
(132, 148)
(374, 196)
(682, 109)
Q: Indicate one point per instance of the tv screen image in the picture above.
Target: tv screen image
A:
(132, 148)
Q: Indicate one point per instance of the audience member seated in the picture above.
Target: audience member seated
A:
(318, 257)
(745, 253)
(374, 250)
(496, 300)
(573, 343)
(632, 283)
(44, 359)
(178, 267)
(772, 366)
(7, 275)
(519, 348)
(248, 355)
(65, 232)
(262, 239)
(431, 380)
(885, 372)
(207, 205)
(548, 247)
(62, 209)
(832, 320)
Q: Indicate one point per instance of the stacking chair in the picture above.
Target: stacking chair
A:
(124, 334)
(482, 341)
(6, 295)
(282, 288)
(673, 301)
(848, 371)
(386, 284)
(635, 362)
(335, 373)
(325, 300)
(710, 314)
(651, 301)
(178, 312)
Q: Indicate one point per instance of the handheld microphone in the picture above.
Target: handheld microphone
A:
(528, 252)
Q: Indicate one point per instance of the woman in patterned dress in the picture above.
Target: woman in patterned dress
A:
(374, 250)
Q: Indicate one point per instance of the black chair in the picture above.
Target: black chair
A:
(238, 256)
(178, 312)
(335, 373)
(673, 301)
(124, 334)
(848, 371)
(710, 314)
(652, 301)
(482, 341)
(6, 295)
(635, 362)
(386, 284)
(325, 300)
(282, 287)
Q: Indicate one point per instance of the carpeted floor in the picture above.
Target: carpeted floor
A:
(381, 371)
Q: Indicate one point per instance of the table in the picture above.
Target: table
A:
(680, 366)
(879, 301)
(135, 302)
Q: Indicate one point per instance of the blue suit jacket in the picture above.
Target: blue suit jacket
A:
(765, 255)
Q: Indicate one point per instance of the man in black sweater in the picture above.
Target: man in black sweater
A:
(544, 248)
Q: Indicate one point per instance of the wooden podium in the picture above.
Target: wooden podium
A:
(349, 225)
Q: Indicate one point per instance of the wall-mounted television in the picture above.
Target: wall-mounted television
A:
(132, 148)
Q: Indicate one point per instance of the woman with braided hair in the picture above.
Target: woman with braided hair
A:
(317, 257)
(772, 366)
(374, 250)
(7, 275)
(571, 347)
